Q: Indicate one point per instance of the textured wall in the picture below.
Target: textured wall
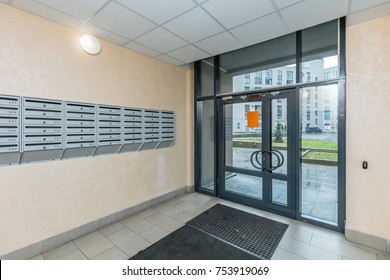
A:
(368, 127)
(39, 58)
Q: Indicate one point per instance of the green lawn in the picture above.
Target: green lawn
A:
(321, 156)
(315, 144)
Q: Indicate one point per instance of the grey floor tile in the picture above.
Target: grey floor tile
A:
(281, 254)
(93, 244)
(136, 223)
(173, 201)
(383, 256)
(154, 234)
(59, 251)
(184, 216)
(112, 254)
(299, 234)
(167, 209)
(341, 248)
(128, 241)
(189, 207)
(146, 213)
(37, 258)
(74, 255)
(166, 222)
(307, 250)
(111, 228)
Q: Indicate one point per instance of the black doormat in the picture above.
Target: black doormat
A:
(188, 243)
(252, 233)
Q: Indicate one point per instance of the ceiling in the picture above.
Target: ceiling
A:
(179, 32)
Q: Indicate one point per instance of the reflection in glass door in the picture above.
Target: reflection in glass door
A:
(256, 155)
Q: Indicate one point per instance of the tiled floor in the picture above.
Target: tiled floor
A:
(127, 237)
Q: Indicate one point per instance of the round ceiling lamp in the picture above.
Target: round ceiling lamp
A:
(90, 44)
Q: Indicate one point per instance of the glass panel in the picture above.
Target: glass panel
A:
(279, 192)
(206, 133)
(243, 143)
(207, 77)
(319, 153)
(244, 185)
(279, 135)
(320, 52)
(268, 64)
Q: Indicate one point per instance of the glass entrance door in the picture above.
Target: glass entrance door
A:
(256, 157)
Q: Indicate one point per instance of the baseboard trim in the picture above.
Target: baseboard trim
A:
(368, 240)
(32, 250)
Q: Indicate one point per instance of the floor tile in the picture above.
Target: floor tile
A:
(281, 254)
(154, 234)
(189, 207)
(112, 254)
(128, 241)
(299, 234)
(184, 216)
(173, 201)
(383, 256)
(167, 209)
(341, 248)
(165, 222)
(93, 244)
(74, 255)
(59, 251)
(111, 228)
(136, 223)
(38, 258)
(147, 213)
(306, 250)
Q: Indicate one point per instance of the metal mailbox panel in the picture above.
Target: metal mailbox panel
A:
(109, 123)
(109, 136)
(79, 107)
(109, 109)
(42, 103)
(9, 129)
(109, 117)
(132, 130)
(46, 146)
(42, 113)
(9, 139)
(41, 138)
(80, 115)
(12, 111)
(151, 125)
(41, 129)
(109, 142)
(9, 148)
(41, 121)
(131, 124)
(86, 137)
(151, 113)
(109, 130)
(9, 120)
(6, 100)
(78, 130)
(70, 122)
(132, 136)
(167, 129)
(129, 119)
(80, 144)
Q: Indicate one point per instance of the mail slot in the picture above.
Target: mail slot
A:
(41, 103)
(109, 109)
(109, 123)
(132, 118)
(109, 129)
(109, 136)
(129, 124)
(131, 141)
(39, 113)
(80, 122)
(80, 115)
(106, 142)
(169, 129)
(151, 125)
(109, 117)
(80, 107)
(75, 130)
(132, 136)
(151, 119)
(80, 137)
(39, 121)
(9, 130)
(149, 113)
(79, 144)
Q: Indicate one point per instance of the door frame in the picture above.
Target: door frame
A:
(289, 210)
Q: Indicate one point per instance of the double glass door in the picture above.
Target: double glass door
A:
(256, 151)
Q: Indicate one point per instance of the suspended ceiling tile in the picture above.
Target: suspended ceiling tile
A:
(189, 54)
(285, 3)
(122, 21)
(141, 49)
(220, 43)
(46, 12)
(194, 25)
(79, 9)
(369, 14)
(358, 5)
(169, 60)
(309, 13)
(260, 30)
(161, 40)
(238, 12)
(158, 11)
(103, 34)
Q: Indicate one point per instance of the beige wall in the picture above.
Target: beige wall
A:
(39, 58)
(368, 127)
